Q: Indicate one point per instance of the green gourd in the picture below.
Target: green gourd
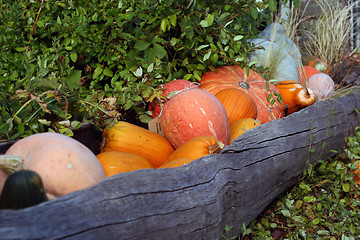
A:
(23, 188)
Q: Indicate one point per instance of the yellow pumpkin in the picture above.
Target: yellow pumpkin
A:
(127, 137)
(115, 162)
(177, 163)
(238, 104)
(197, 147)
(296, 96)
(238, 127)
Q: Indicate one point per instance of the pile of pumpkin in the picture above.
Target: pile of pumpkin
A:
(197, 119)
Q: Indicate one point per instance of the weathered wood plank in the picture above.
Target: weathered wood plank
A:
(195, 201)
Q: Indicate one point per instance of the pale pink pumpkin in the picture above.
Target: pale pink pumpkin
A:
(321, 84)
(192, 113)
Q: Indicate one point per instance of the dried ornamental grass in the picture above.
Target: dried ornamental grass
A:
(331, 32)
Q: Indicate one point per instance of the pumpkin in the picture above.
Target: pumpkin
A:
(192, 113)
(127, 137)
(177, 163)
(321, 84)
(164, 89)
(115, 162)
(238, 127)
(197, 147)
(296, 96)
(64, 164)
(238, 104)
(23, 188)
(305, 72)
(253, 84)
(309, 60)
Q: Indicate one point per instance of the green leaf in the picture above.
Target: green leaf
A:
(316, 221)
(141, 45)
(73, 56)
(150, 68)
(164, 24)
(188, 76)
(309, 198)
(172, 19)
(268, 97)
(207, 56)
(238, 37)
(98, 70)
(173, 41)
(346, 187)
(72, 80)
(254, 12)
(138, 72)
(285, 212)
(272, 5)
(107, 72)
(202, 47)
(210, 19)
(159, 51)
(128, 104)
(204, 23)
(215, 58)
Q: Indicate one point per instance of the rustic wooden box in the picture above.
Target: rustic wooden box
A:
(198, 200)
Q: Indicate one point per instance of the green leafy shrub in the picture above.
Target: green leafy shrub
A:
(68, 62)
(323, 205)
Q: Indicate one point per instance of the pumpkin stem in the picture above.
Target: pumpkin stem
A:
(216, 148)
(244, 85)
(11, 163)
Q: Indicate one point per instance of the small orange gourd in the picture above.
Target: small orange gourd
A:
(238, 104)
(238, 127)
(115, 162)
(296, 96)
(197, 147)
(308, 60)
(177, 163)
(127, 137)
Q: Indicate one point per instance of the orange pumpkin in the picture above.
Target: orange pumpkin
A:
(127, 137)
(253, 84)
(192, 113)
(238, 127)
(115, 162)
(296, 96)
(238, 104)
(196, 148)
(305, 72)
(177, 163)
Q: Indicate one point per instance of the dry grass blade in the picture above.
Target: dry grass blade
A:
(331, 32)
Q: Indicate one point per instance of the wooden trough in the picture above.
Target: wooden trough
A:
(198, 200)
